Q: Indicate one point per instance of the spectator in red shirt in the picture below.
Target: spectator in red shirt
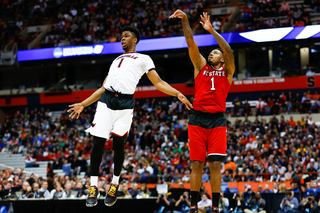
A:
(292, 122)
(176, 160)
(284, 9)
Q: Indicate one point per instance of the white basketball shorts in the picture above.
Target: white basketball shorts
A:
(107, 121)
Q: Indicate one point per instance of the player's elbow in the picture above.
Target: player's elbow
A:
(101, 90)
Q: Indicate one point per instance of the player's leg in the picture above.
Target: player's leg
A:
(118, 148)
(217, 146)
(121, 127)
(100, 129)
(195, 180)
(215, 182)
(95, 160)
(197, 156)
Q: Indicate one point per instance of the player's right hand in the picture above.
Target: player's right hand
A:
(75, 110)
(178, 14)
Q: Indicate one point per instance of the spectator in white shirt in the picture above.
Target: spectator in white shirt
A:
(288, 174)
(44, 190)
(30, 162)
(309, 120)
(260, 107)
(205, 204)
(216, 24)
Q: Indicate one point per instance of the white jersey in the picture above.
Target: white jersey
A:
(126, 71)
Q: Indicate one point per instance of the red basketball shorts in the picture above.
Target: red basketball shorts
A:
(207, 136)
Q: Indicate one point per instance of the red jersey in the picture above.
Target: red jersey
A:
(211, 89)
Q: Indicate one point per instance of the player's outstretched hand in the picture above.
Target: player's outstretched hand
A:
(184, 100)
(205, 21)
(75, 110)
(178, 14)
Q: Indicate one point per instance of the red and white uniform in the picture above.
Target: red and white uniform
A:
(212, 87)
(207, 126)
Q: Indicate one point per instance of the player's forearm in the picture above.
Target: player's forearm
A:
(221, 41)
(187, 31)
(93, 98)
(166, 88)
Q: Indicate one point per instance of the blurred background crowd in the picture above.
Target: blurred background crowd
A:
(156, 151)
(88, 22)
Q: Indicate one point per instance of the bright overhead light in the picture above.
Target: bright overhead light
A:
(267, 35)
(309, 31)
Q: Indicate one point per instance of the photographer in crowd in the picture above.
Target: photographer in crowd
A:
(223, 204)
(289, 204)
(248, 193)
(256, 204)
(165, 203)
(183, 204)
(309, 205)
(237, 203)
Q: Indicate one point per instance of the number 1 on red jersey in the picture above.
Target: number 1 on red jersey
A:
(212, 81)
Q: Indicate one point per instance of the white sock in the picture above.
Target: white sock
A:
(115, 180)
(94, 181)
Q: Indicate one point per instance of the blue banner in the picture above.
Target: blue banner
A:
(264, 35)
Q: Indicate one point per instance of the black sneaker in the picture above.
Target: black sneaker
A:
(92, 199)
(111, 197)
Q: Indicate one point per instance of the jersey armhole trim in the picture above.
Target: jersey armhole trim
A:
(199, 71)
(151, 69)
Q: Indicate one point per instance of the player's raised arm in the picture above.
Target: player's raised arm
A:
(227, 51)
(77, 108)
(166, 88)
(197, 59)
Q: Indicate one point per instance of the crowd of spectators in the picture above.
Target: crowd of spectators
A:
(277, 104)
(157, 148)
(88, 22)
(268, 14)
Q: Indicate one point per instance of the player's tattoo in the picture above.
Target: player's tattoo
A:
(187, 29)
(228, 54)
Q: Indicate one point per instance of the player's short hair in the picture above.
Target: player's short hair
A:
(219, 50)
(134, 30)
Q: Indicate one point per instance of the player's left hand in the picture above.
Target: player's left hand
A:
(184, 100)
(205, 21)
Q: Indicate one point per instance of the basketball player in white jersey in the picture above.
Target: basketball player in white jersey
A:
(114, 112)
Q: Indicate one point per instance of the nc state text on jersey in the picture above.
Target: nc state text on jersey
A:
(214, 73)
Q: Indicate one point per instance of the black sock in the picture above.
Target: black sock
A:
(96, 155)
(215, 199)
(194, 197)
(118, 148)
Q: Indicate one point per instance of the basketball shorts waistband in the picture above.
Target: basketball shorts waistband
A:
(209, 115)
(119, 95)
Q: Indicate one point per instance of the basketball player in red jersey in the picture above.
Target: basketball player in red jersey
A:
(207, 125)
